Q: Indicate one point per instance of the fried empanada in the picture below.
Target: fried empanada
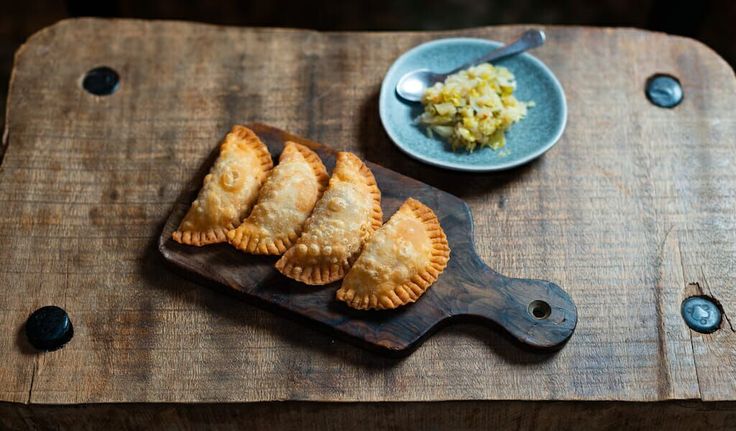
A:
(286, 200)
(229, 190)
(400, 261)
(343, 219)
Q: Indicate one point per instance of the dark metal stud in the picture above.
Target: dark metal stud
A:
(664, 90)
(49, 328)
(701, 314)
(101, 81)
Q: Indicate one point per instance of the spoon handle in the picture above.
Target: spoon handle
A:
(530, 39)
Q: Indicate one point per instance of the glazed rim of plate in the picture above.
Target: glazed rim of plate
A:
(460, 166)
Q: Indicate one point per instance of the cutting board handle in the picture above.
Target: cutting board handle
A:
(538, 313)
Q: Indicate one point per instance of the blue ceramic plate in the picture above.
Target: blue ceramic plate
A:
(525, 140)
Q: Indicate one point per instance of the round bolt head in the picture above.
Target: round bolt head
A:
(701, 314)
(49, 328)
(101, 81)
(664, 90)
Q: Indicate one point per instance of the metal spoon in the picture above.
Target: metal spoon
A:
(412, 85)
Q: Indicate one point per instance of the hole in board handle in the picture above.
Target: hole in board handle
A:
(539, 309)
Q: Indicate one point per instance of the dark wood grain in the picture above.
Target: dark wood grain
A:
(466, 289)
(326, 416)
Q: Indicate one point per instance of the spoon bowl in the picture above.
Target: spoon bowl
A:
(412, 86)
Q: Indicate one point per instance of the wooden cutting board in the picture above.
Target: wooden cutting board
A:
(538, 314)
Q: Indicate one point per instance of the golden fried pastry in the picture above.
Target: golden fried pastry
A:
(400, 261)
(229, 190)
(286, 199)
(343, 219)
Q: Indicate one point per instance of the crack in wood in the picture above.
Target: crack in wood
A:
(664, 384)
(695, 362)
(33, 379)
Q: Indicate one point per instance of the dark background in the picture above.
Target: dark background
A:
(711, 21)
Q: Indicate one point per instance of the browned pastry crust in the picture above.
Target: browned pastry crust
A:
(228, 191)
(342, 221)
(400, 261)
(286, 199)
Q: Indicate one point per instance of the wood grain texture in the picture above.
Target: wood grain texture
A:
(467, 289)
(632, 206)
(311, 416)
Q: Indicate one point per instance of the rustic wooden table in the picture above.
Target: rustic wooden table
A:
(633, 211)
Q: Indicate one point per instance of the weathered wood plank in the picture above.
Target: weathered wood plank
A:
(635, 203)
